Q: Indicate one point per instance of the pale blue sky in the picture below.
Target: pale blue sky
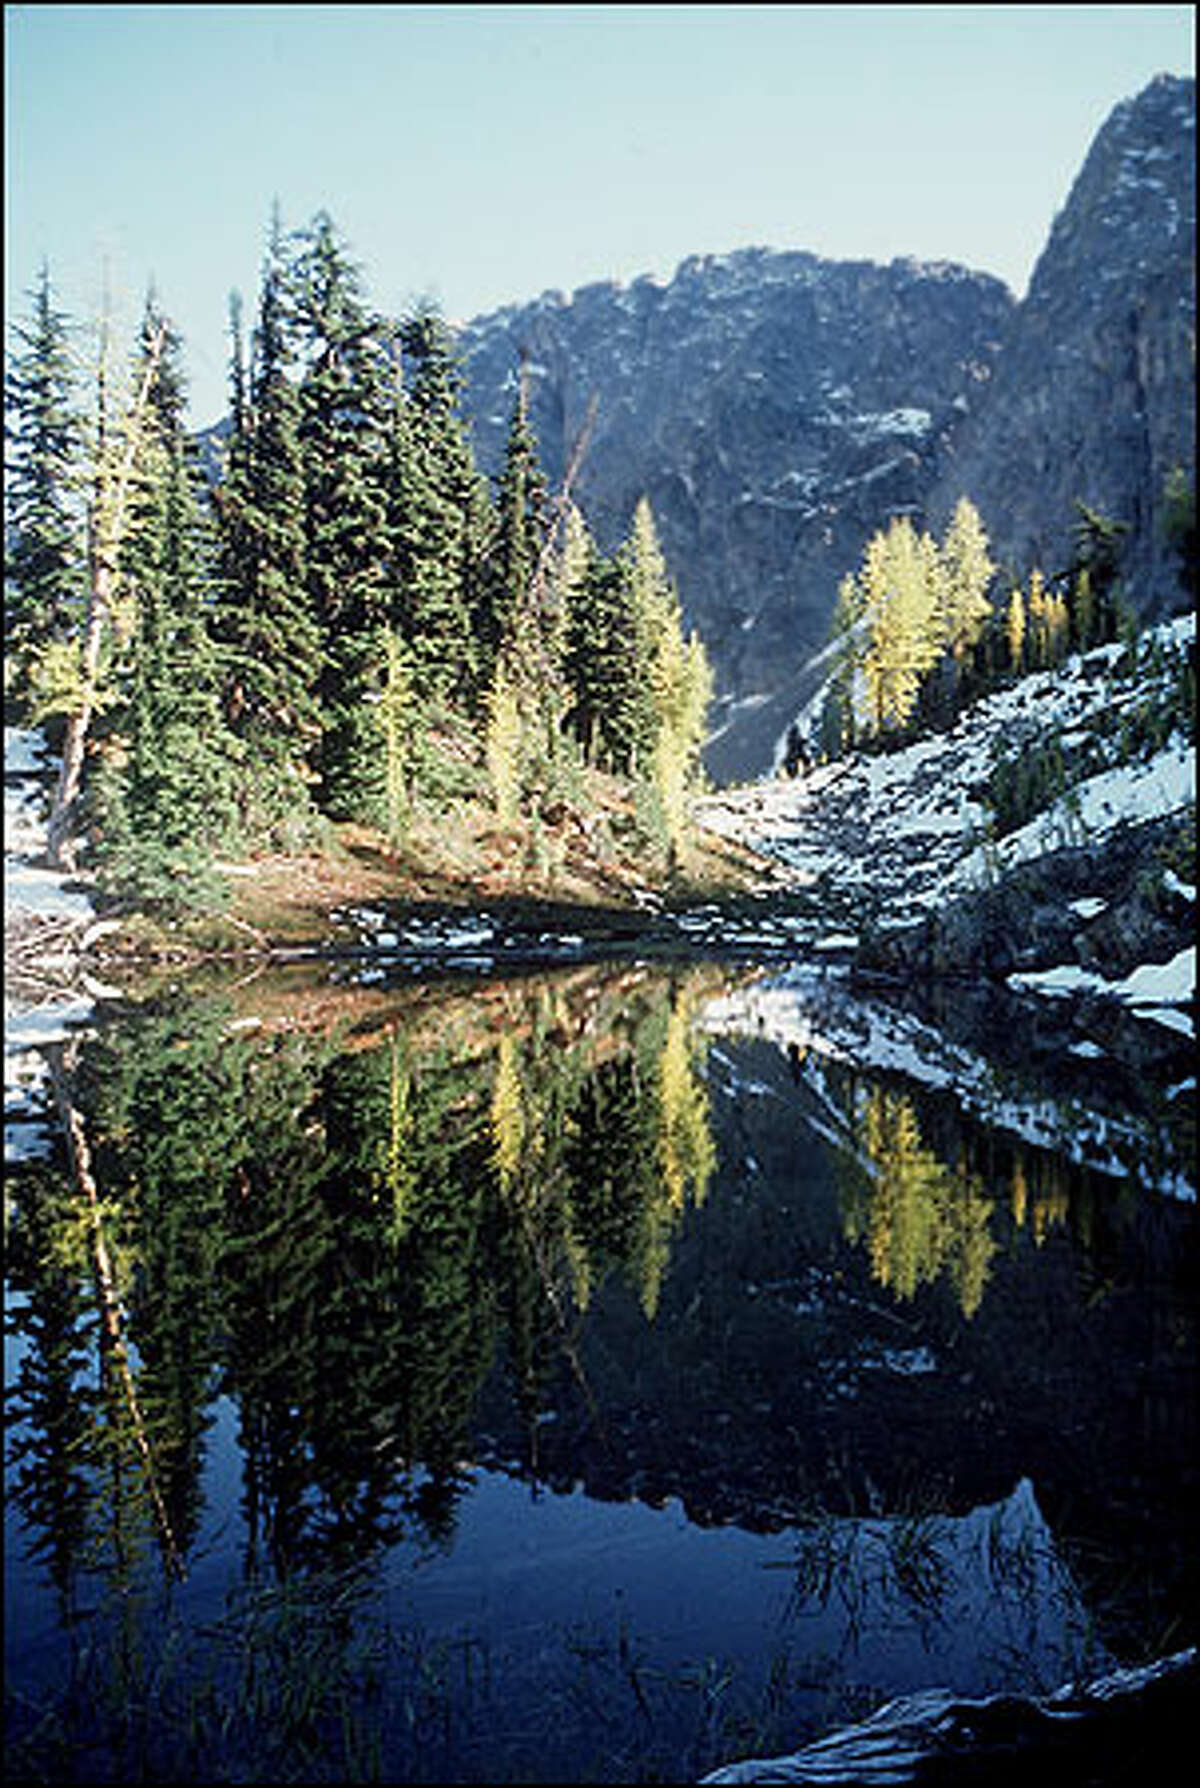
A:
(478, 155)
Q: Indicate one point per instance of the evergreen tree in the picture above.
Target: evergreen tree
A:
(606, 703)
(1179, 527)
(44, 556)
(521, 632)
(165, 797)
(523, 627)
(437, 504)
(265, 621)
(345, 410)
(1093, 579)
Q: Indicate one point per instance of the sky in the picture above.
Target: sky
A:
(479, 155)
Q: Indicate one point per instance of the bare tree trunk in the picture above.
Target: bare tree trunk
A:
(108, 529)
(110, 1303)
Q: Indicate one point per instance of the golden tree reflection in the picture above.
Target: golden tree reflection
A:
(920, 1216)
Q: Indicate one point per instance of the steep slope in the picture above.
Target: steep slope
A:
(1094, 395)
(773, 407)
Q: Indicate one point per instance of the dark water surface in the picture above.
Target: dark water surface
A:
(590, 1376)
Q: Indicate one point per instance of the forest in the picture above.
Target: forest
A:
(339, 621)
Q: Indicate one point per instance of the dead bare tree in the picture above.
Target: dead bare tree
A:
(116, 461)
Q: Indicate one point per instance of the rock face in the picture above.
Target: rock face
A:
(1128, 1724)
(773, 407)
(1093, 398)
(777, 409)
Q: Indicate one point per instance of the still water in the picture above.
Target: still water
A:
(586, 1376)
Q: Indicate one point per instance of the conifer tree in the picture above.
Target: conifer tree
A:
(121, 432)
(164, 799)
(967, 571)
(677, 685)
(903, 631)
(1093, 578)
(521, 637)
(1015, 630)
(345, 405)
(521, 624)
(437, 510)
(44, 556)
(607, 699)
(265, 619)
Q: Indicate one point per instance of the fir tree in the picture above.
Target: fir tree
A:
(165, 797)
(344, 414)
(606, 702)
(1093, 578)
(265, 619)
(437, 502)
(518, 631)
(44, 558)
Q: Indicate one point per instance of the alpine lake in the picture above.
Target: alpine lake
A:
(590, 1373)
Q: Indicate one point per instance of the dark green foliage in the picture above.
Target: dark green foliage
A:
(1179, 528)
(438, 517)
(43, 570)
(46, 1463)
(263, 617)
(608, 704)
(164, 799)
(295, 643)
(521, 627)
(1093, 579)
(1023, 782)
(345, 407)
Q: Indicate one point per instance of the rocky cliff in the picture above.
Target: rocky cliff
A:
(1093, 398)
(777, 409)
(773, 407)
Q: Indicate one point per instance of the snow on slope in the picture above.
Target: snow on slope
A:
(900, 834)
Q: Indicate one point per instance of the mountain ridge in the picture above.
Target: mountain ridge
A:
(777, 408)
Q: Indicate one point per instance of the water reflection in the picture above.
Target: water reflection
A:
(294, 1273)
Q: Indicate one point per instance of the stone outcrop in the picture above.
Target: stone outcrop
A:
(1129, 1725)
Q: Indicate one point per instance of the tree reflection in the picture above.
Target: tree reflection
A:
(344, 1241)
(921, 1217)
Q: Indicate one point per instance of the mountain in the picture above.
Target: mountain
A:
(777, 409)
(1094, 394)
(773, 407)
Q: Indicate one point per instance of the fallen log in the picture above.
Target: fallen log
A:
(1133, 1726)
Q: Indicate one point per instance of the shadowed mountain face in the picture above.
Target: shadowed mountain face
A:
(773, 407)
(778, 409)
(1094, 394)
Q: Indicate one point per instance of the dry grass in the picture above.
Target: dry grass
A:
(587, 858)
